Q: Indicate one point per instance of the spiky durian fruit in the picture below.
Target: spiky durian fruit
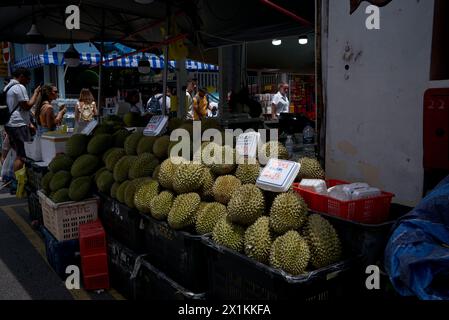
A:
(167, 171)
(145, 145)
(206, 191)
(143, 166)
(61, 162)
(121, 168)
(224, 161)
(120, 194)
(145, 191)
(99, 144)
(131, 143)
(248, 172)
(85, 165)
(288, 212)
(161, 204)
(229, 234)
(160, 147)
(183, 211)
(113, 156)
(188, 177)
(114, 189)
(290, 253)
(258, 240)
(105, 182)
(208, 217)
(325, 246)
(274, 149)
(310, 169)
(60, 180)
(224, 187)
(247, 204)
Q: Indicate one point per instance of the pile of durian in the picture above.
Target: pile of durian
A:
(204, 198)
(72, 175)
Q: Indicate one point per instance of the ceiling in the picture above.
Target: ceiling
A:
(206, 24)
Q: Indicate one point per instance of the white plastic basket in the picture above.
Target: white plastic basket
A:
(63, 219)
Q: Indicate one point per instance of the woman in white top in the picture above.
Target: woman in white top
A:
(280, 103)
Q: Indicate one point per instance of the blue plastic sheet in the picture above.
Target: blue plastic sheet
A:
(417, 254)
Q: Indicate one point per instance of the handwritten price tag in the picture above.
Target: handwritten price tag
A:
(278, 175)
(246, 145)
(155, 125)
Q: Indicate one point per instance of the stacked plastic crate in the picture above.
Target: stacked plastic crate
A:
(94, 259)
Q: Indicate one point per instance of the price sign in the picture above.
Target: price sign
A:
(278, 175)
(155, 125)
(90, 127)
(246, 145)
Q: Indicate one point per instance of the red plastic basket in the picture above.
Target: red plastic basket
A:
(95, 282)
(92, 238)
(369, 211)
(96, 264)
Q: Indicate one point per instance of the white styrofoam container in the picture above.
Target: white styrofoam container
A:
(279, 185)
(53, 144)
(366, 193)
(315, 185)
(33, 149)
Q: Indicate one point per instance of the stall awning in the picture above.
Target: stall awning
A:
(57, 58)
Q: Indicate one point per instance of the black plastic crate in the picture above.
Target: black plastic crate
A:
(123, 223)
(34, 207)
(35, 173)
(366, 240)
(234, 276)
(180, 254)
(61, 254)
(152, 284)
(122, 261)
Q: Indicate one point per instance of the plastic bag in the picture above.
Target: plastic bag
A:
(21, 177)
(8, 166)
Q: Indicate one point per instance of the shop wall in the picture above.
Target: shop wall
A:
(375, 108)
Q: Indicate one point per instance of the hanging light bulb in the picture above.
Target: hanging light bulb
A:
(303, 40)
(72, 56)
(144, 66)
(34, 40)
(276, 42)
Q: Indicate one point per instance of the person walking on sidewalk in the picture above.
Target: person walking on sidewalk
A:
(19, 126)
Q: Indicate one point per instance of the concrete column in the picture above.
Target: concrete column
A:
(230, 61)
(61, 82)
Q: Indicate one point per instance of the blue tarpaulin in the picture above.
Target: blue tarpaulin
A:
(417, 254)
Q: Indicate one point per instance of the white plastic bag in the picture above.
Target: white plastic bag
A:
(8, 166)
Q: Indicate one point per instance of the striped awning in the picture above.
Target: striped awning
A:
(112, 60)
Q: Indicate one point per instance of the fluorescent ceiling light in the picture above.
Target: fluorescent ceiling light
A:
(303, 40)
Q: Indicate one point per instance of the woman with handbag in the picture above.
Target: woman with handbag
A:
(85, 109)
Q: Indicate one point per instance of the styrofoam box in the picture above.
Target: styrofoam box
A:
(33, 149)
(53, 144)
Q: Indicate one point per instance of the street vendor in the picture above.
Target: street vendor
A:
(280, 103)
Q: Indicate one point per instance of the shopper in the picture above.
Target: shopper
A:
(280, 103)
(133, 98)
(45, 115)
(154, 105)
(200, 105)
(190, 93)
(19, 127)
(85, 109)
